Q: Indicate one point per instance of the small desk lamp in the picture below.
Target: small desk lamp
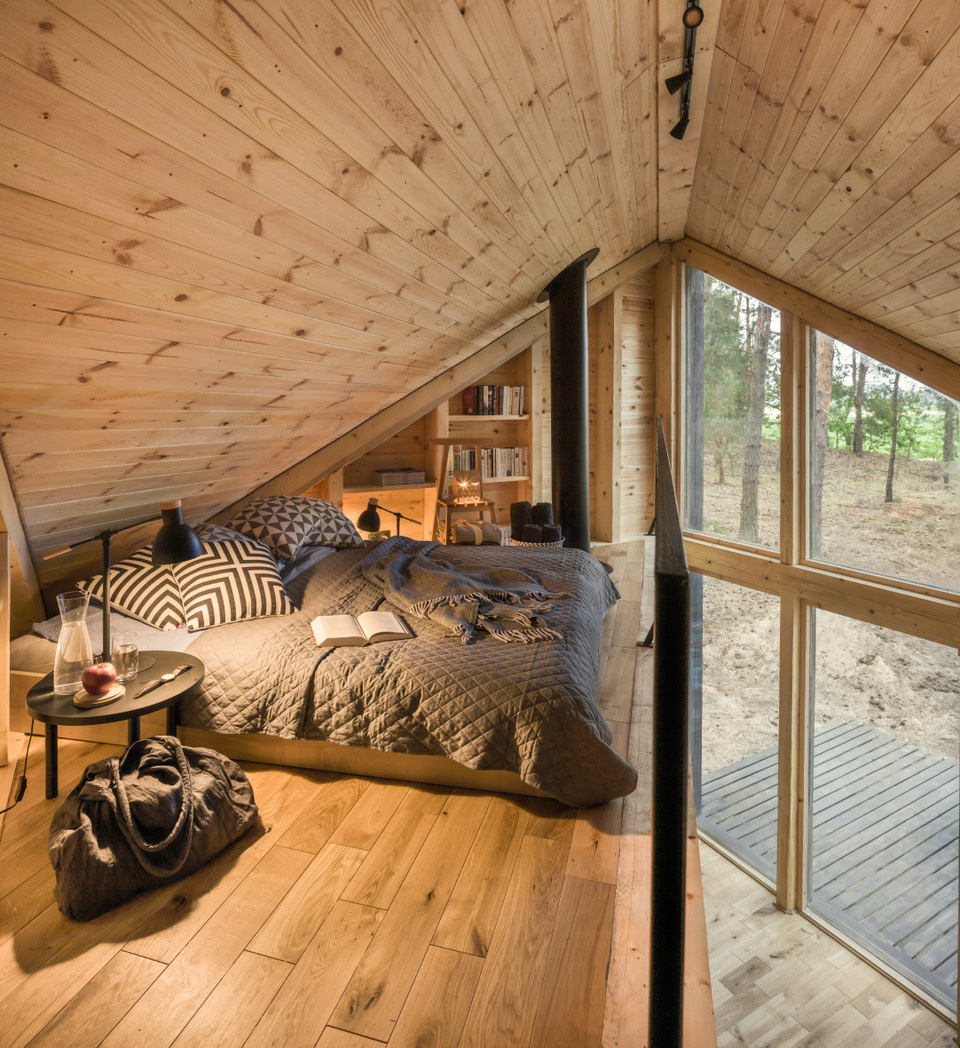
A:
(369, 519)
(174, 542)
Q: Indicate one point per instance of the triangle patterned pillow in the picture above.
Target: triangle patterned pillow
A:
(142, 591)
(231, 582)
(287, 523)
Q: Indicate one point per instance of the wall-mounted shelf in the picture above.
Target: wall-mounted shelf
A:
(488, 418)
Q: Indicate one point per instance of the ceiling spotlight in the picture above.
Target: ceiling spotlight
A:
(692, 16)
(679, 129)
(674, 83)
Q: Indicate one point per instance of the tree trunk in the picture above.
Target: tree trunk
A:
(825, 351)
(859, 378)
(895, 419)
(949, 438)
(749, 503)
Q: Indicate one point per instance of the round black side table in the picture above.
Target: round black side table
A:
(52, 709)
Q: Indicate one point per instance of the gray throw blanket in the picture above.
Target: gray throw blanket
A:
(506, 603)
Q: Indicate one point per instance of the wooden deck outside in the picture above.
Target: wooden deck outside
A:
(885, 843)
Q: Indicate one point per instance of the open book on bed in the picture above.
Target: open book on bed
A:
(368, 628)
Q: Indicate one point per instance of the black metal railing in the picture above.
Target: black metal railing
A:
(670, 763)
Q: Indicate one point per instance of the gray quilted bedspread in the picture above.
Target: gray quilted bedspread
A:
(527, 708)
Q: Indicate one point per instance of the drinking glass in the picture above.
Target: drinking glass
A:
(125, 656)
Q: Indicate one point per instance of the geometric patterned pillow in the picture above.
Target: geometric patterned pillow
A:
(335, 529)
(207, 532)
(285, 524)
(140, 590)
(232, 581)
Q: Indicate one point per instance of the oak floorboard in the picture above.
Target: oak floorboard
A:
(102, 1002)
(189, 979)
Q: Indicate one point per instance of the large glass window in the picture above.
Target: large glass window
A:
(885, 789)
(732, 414)
(734, 682)
(885, 490)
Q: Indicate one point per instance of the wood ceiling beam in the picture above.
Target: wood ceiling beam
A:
(391, 419)
(897, 351)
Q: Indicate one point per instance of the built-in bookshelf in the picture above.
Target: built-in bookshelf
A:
(507, 443)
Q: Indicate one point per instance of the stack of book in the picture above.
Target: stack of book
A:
(494, 400)
(400, 476)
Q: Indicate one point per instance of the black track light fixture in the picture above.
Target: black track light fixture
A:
(683, 81)
(674, 83)
(679, 129)
(692, 16)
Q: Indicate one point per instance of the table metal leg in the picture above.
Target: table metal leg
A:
(172, 719)
(133, 730)
(50, 760)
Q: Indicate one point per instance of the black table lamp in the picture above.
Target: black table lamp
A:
(174, 542)
(369, 519)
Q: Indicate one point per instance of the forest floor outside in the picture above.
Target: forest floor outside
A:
(907, 687)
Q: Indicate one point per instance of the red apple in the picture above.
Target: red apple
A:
(99, 678)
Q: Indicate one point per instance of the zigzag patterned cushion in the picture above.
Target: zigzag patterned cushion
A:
(140, 590)
(287, 523)
(232, 581)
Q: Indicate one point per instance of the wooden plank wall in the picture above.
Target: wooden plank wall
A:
(637, 415)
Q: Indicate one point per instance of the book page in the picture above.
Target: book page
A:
(382, 625)
(337, 629)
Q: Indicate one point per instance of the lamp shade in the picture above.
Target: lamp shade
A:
(369, 519)
(175, 541)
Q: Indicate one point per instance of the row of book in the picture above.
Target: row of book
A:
(494, 400)
(493, 463)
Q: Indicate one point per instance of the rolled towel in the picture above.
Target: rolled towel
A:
(532, 533)
(543, 513)
(520, 514)
(552, 533)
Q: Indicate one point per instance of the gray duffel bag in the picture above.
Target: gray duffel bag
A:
(160, 811)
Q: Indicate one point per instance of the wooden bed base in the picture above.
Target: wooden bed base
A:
(356, 760)
(295, 753)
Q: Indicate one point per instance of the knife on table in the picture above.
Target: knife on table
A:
(164, 678)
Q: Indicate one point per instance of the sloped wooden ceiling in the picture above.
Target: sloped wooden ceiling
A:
(829, 155)
(231, 231)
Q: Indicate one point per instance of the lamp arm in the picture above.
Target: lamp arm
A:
(105, 640)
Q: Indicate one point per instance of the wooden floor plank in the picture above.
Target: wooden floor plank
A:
(436, 1009)
(471, 914)
(101, 1003)
(288, 930)
(372, 1001)
(571, 1004)
(512, 977)
(297, 1015)
(227, 1016)
(192, 976)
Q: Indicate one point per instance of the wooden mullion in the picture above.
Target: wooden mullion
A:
(792, 786)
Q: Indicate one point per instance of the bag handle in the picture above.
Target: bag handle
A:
(183, 825)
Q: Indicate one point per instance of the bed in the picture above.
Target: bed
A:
(514, 712)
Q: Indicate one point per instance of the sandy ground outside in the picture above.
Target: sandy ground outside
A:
(899, 684)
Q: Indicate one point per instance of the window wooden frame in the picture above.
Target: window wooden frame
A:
(800, 582)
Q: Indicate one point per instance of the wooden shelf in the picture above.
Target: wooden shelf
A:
(488, 418)
(376, 489)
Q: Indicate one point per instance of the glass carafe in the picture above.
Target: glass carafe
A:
(74, 653)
